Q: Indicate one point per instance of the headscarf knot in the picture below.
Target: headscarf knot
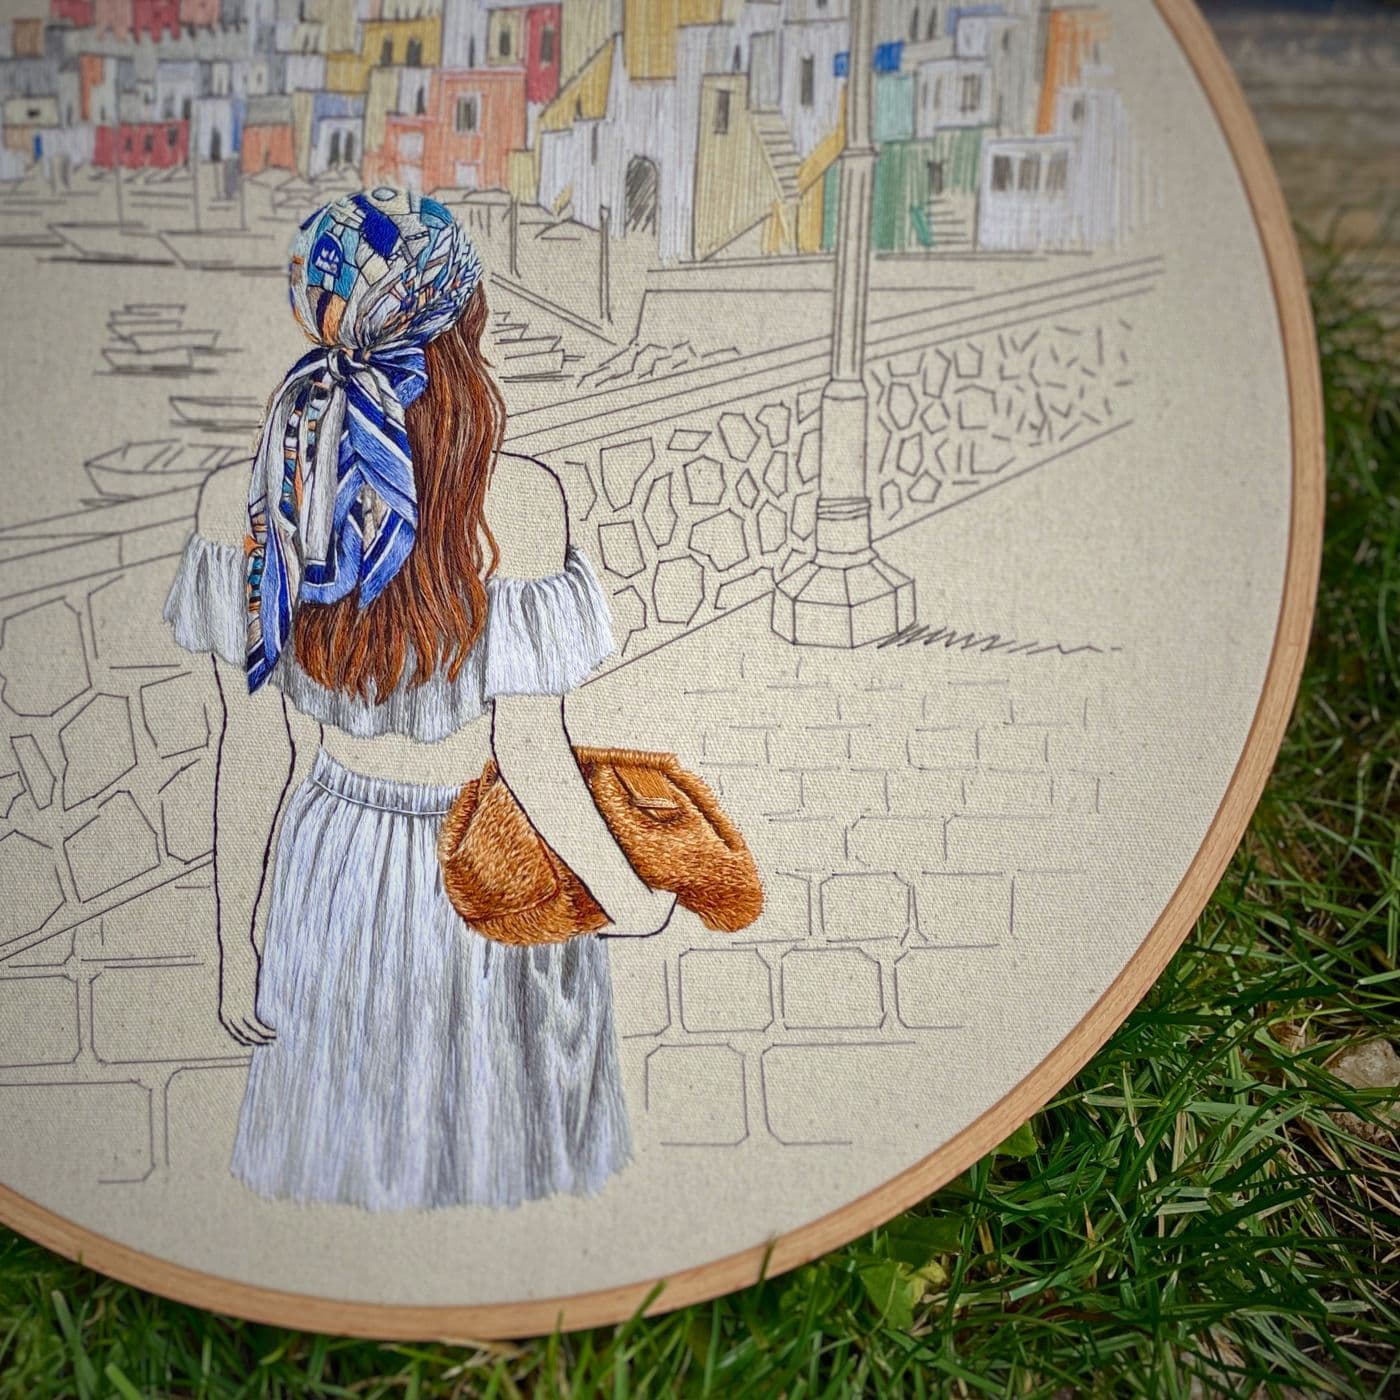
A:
(332, 506)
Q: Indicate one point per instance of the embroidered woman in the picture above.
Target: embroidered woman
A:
(390, 600)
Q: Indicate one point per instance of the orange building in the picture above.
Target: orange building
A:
(474, 119)
(1071, 36)
(267, 140)
(27, 38)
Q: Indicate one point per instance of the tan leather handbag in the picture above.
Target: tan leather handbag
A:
(506, 882)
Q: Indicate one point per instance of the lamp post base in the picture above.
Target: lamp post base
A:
(842, 600)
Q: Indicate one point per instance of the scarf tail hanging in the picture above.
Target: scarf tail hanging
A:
(332, 502)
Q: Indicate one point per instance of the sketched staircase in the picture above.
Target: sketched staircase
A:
(952, 222)
(782, 154)
(783, 160)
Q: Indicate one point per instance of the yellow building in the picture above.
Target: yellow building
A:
(381, 98)
(386, 43)
(505, 38)
(649, 32)
(735, 187)
(585, 26)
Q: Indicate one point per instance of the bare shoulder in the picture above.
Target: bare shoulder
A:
(528, 515)
(222, 512)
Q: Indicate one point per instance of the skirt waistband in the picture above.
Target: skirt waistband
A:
(383, 794)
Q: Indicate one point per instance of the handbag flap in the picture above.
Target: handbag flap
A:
(648, 788)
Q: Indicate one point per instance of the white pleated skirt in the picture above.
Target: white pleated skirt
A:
(417, 1064)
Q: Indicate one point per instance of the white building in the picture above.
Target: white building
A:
(1072, 189)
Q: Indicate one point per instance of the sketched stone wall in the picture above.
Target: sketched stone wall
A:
(106, 780)
(695, 513)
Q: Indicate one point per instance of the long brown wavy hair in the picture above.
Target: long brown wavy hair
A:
(437, 601)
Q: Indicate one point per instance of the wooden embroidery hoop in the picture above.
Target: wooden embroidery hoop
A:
(1142, 969)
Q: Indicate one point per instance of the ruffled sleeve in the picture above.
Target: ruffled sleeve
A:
(205, 605)
(544, 636)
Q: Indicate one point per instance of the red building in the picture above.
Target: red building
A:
(140, 145)
(542, 53)
(78, 13)
(155, 17)
(474, 120)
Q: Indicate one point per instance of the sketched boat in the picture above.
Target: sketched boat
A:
(114, 242)
(147, 468)
(231, 412)
(123, 328)
(165, 337)
(164, 359)
(236, 249)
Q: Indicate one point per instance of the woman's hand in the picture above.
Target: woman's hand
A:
(238, 995)
(639, 917)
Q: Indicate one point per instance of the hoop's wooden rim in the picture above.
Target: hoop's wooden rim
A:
(996, 1123)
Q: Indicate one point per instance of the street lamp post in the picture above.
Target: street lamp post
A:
(846, 595)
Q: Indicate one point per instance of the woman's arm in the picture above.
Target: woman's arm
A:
(530, 522)
(536, 762)
(255, 761)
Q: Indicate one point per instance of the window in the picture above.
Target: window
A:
(167, 108)
(936, 177)
(547, 46)
(1028, 181)
(931, 28)
(349, 148)
(722, 113)
(149, 144)
(1006, 41)
(593, 144)
(1001, 172)
(335, 148)
(466, 114)
(970, 93)
(185, 107)
(736, 62)
(503, 41)
(172, 135)
(420, 103)
(386, 53)
(808, 81)
(471, 52)
(1077, 111)
(1057, 173)
(414, 54)
(914, 25)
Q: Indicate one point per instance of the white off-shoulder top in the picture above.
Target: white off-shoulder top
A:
(543, 636)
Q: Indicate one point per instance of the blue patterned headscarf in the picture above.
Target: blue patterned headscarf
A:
(332, 507)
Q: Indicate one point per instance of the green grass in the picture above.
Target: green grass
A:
(1205, 1210)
